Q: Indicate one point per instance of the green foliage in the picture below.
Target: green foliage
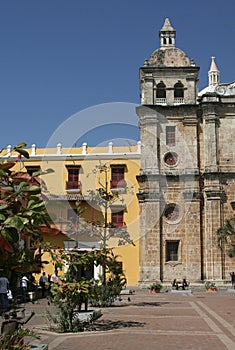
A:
(210, 285)
(62, 319)
(226, 237)
(20, 149)
(155, 286)
(14, 340)
(70, 292)
(67, 298)
(104, 295)
(22, 214)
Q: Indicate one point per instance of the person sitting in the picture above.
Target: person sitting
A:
(175, 284)
(185, 284)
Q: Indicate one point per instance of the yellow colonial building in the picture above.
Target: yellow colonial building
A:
(76, 191)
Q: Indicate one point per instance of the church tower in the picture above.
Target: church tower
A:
(169, 186)
(187, 179)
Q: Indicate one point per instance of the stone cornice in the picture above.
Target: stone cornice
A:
(214, 194)
(192, 196)
(149, 196)
(69, 157)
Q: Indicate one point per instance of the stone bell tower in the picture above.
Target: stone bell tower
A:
(187, 177)
(169, 186)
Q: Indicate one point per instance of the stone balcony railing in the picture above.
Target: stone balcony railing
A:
(178, 101)
(161, 101)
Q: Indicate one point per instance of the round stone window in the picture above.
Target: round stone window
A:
(172, 212)
(171, 158)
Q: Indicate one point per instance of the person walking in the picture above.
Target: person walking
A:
(4, 285)
(24, 286)
(42, 282)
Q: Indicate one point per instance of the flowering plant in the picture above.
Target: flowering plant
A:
(210, 285)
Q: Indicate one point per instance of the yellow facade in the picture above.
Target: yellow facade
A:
(61, 199)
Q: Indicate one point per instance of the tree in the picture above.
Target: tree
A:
(105, 230)
(226, 236)
(71, 291)
(23, 216)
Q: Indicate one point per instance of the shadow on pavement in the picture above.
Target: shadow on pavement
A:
(108, 325)
(150, 303)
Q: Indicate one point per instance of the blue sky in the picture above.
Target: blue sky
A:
(59, 57)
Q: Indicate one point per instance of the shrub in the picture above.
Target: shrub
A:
(210, 285)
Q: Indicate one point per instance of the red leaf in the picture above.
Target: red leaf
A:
(5, 245)
(21, 176)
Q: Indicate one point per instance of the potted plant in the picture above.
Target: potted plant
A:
(210, 286)
(155, 287)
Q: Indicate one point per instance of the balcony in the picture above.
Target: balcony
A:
(118, 224)
(118, 185)
(161, 101)
(73, 186)
(178, 101)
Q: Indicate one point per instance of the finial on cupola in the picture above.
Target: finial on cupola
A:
(167, 34)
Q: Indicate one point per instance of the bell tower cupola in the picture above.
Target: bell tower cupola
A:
(168, 77)
(167, 35)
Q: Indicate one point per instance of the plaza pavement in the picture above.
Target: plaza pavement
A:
(196, 321)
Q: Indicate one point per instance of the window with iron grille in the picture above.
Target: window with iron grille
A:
(118, 218)
(170, 135)
(73, 174)
(172, 250)
(118, 177)
(73, 178)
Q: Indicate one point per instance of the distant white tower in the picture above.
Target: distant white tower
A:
(213, 74)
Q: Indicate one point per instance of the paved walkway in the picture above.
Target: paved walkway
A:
(197, 321)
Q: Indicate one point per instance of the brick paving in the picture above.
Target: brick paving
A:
(197, 321)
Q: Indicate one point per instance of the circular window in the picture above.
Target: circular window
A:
(171, 158)
(172, 212)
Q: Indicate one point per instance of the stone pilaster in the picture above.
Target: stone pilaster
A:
(212, 253)
(150, 245)
(193, 236)
(150, 131)
(210, 123)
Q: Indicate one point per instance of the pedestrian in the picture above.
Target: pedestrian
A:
(232, 274)
(24, 286)
(54, 277)
(9, 296)
(4, 285)
(42, 282)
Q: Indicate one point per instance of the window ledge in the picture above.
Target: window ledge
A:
(119, 189)
(173, 263)
(74, 190)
